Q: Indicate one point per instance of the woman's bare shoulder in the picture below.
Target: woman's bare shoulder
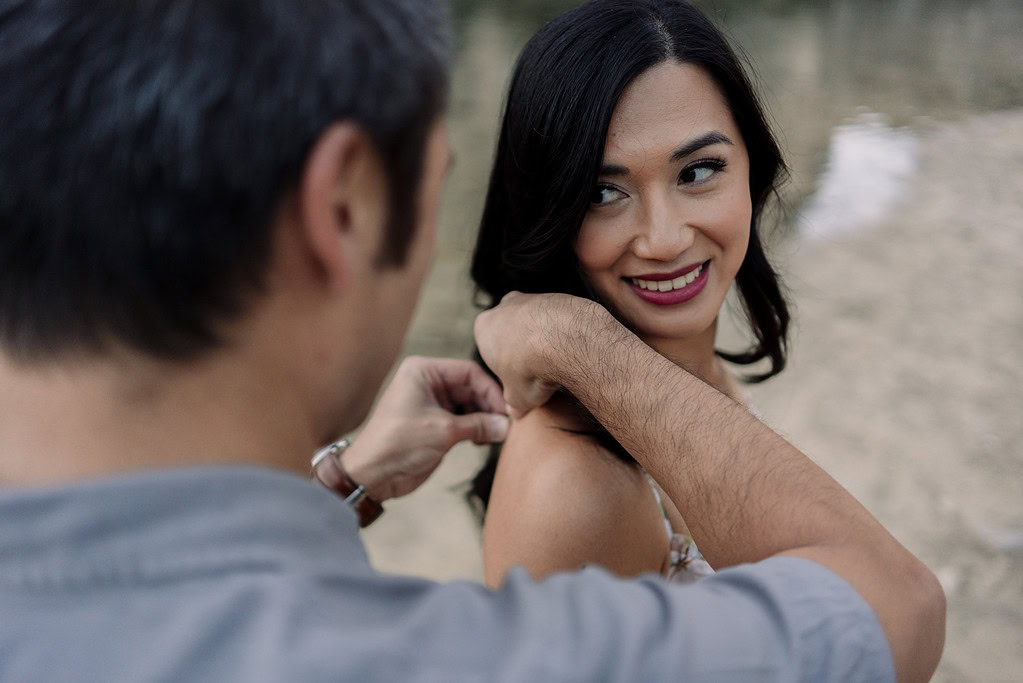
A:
(547, 454)
(559, 501)
(549, 442)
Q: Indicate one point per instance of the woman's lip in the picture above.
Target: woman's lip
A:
(667, 276)
(674, 296)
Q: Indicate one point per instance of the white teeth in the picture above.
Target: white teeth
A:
(668, 285)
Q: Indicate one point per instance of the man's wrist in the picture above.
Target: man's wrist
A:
(366, 472)
(329, 470)
(578, 330)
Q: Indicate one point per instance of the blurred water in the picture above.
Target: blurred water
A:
(869, 165)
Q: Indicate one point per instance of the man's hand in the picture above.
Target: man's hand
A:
(430, 405)
(520, 337)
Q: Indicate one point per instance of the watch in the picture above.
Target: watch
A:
(327, 469)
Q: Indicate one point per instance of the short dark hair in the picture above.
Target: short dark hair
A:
(564, 90)
(146, 147)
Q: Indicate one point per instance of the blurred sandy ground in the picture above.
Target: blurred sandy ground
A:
(905, 267)
(906, 377)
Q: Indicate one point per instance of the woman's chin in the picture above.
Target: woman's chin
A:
(675, 326)
(680, 332)
(670, 324)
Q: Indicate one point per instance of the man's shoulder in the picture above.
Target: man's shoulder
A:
(784, 619)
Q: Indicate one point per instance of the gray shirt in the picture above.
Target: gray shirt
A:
(246, 574)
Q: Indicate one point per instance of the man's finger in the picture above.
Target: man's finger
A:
(516, 413)
(467, 383)
(515, 407)
(480, 428)
(464, 396)
(518, 403)
(488, 393)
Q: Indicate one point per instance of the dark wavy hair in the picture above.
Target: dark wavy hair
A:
(564, 90)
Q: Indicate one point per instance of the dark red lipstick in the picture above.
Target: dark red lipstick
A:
(681, 289)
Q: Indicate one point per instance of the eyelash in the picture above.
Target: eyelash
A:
(712, 163)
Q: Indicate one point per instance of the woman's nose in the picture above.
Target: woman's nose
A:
(665, 236)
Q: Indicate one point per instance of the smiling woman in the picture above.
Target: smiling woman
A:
(632, 168)
(669, 223)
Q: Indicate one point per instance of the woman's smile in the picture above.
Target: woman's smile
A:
(670, 289)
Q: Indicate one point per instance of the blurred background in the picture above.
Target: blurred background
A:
(901, 242)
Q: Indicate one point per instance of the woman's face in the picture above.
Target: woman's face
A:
(669, 218)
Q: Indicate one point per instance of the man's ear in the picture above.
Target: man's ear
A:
(341, 202)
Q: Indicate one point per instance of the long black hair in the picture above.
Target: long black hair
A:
(565, 87)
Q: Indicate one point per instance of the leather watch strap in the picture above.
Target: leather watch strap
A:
(328, 470)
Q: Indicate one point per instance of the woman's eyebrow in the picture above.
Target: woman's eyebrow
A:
(681, 152)
(705, 140)
(613, 170)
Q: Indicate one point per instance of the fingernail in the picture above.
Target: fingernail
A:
(497, 428)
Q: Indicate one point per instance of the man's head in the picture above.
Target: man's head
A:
(146, 149)
(167, 164)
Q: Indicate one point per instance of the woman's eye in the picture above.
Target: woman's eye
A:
(699, 172)
(604, 194)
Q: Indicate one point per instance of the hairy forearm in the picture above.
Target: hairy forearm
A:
(745, 492)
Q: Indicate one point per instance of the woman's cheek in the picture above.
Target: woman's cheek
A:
(731, 230)
(598, 247)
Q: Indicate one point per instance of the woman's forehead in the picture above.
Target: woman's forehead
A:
(662, 108)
